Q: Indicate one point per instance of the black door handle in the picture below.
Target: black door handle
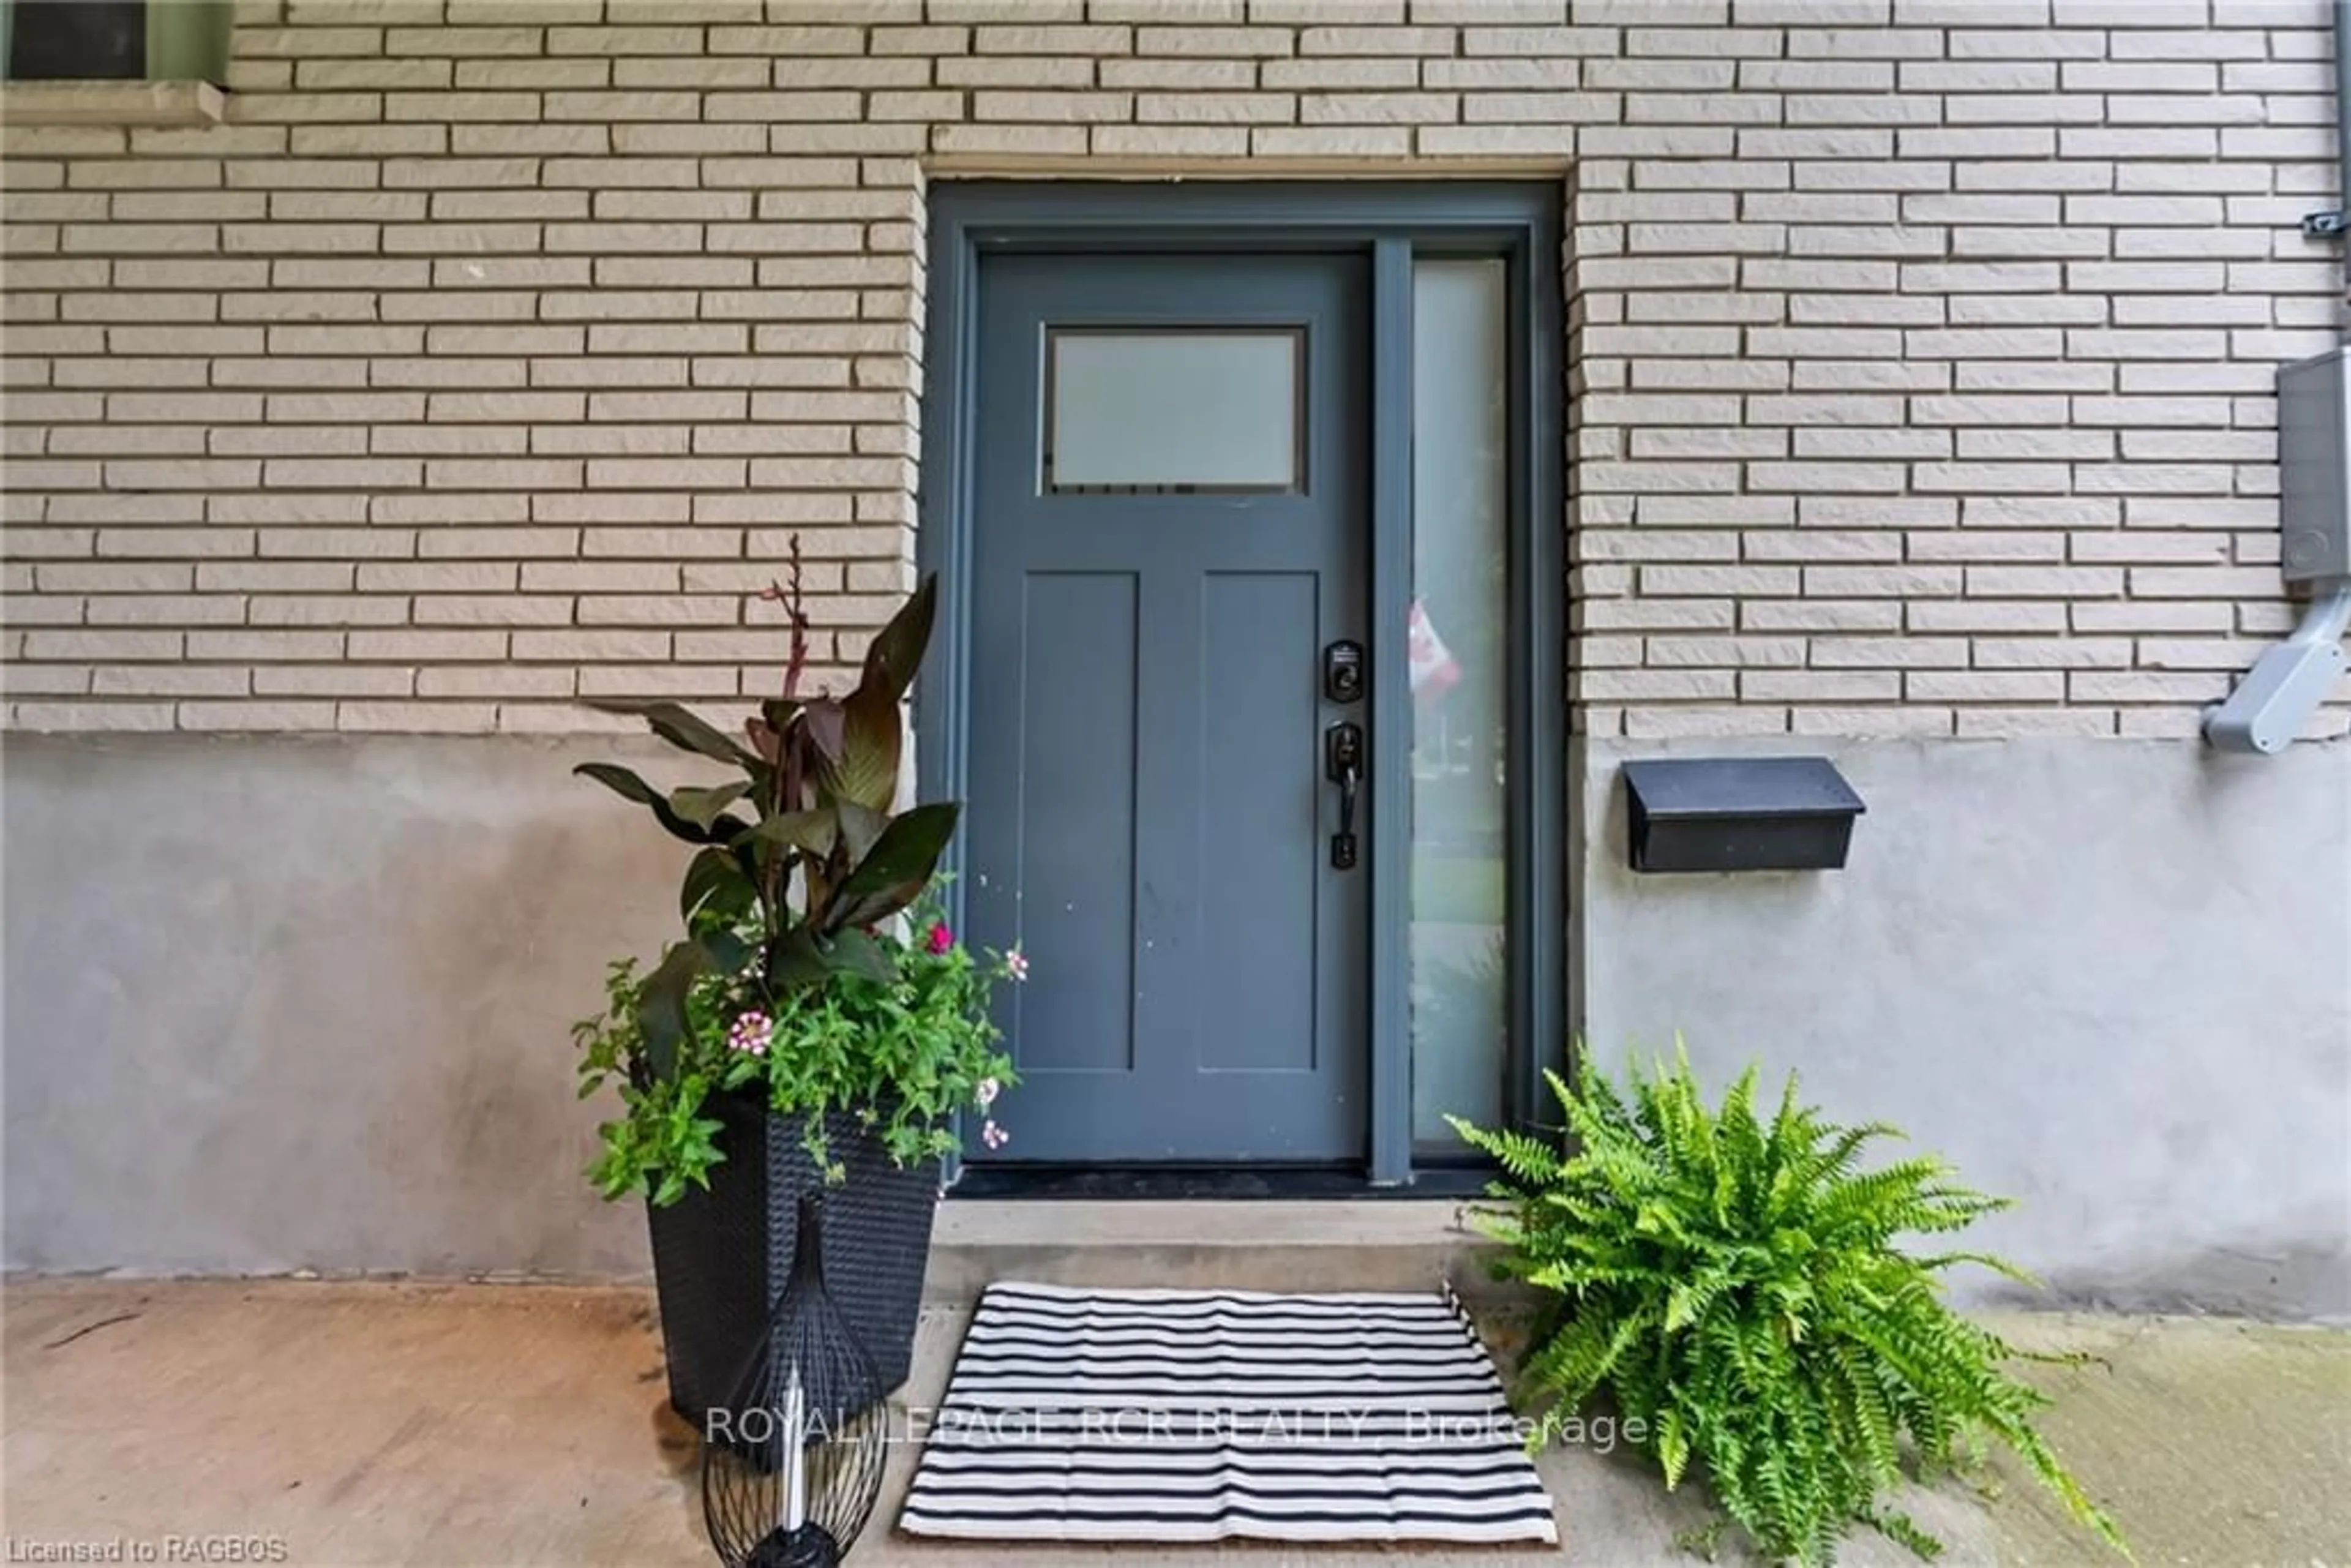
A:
(1342, 762)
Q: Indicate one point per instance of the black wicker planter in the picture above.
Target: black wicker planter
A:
(720, 1257)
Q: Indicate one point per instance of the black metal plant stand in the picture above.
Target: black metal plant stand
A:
(791, 1462)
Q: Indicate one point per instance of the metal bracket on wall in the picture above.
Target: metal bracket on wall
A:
(2329, 224)
(2277, 697)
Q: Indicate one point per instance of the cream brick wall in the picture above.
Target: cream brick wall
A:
(1920, 350)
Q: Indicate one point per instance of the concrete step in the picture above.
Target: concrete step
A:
(1369, 1244)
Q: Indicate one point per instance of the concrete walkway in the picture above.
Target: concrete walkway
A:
(456, 1424)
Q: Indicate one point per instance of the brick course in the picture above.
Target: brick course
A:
(1919, 349)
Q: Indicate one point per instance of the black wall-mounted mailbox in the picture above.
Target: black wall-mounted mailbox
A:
(1739, 813)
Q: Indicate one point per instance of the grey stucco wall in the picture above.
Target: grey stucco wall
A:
(2111, 979)
(284, 1004)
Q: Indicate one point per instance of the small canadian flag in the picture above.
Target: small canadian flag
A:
(1433, 673)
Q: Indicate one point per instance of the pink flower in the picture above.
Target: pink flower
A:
(994, 1136)
(941, 937)
(751, 1034)
(1016, 964)
(987, 1092)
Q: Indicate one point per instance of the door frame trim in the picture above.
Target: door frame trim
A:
(1518, 222)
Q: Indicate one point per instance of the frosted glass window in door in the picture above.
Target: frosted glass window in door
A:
(1173, 410)
(1460, 651)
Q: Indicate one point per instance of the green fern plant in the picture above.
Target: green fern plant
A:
(1735, 1287)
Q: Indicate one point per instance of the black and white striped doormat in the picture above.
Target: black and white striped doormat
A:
(1190, 1415)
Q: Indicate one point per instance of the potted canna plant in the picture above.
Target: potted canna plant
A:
(816, 1026)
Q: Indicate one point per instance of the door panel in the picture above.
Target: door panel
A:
(1148, 813)
(1257, 928)
(1076, 827)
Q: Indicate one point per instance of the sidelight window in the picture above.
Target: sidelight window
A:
(1458, 651)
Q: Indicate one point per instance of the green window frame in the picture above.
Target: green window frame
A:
(187, 41)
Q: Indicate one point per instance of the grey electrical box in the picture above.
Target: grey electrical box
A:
(1739, 813)
(2314, 509)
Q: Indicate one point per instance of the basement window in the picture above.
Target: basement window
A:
(114, 62)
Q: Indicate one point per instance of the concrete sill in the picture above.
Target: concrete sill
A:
(1367, 1244)
(196, 103)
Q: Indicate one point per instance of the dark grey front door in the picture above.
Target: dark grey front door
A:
(1171, 528)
